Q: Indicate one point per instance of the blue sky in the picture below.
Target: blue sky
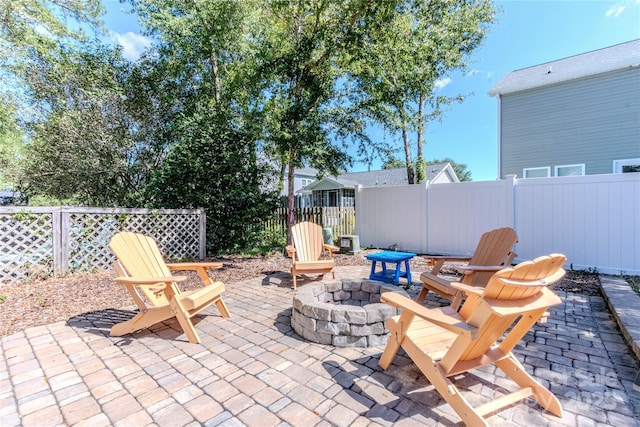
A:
(526, 33)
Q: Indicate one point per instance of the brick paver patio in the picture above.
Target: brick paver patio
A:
(254, 370)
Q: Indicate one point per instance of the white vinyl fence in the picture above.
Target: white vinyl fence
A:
(39, 242)
(594, 220)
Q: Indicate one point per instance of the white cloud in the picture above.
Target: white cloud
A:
(620, 7)
(441, 83)
(615, 10)
(132, 44)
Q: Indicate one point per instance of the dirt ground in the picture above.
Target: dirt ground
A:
(40, 302)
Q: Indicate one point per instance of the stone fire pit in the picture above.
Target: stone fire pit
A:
(343, 313)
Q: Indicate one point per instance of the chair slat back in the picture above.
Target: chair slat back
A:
(518, 284)
(494, 248)
(308, 241)
(140, 257)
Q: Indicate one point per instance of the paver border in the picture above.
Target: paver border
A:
(624, 305)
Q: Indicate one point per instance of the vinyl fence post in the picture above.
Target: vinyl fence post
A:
(424, 206)
(356, 204)
(509, 199)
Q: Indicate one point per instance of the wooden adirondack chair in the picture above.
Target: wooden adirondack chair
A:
(145, 274)
(494, 252)
(308, 251)
(444, 343)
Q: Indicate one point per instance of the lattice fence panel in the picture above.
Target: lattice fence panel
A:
(90, 233)
(40, 242)
(26, 245)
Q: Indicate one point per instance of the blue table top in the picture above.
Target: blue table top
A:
(390, 256)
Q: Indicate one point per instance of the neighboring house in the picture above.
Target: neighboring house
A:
(574, 116)
(301, 178)
(339, 191)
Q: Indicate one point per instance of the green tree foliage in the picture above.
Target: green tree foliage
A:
(213, 166)
(202, 85)
(11, 146)
(308, 117)
(79, 151)
(204, 46)
(396, 73)
(463, 174)
(70, 90)
(224, 79)
(32, 33)
(392, 162)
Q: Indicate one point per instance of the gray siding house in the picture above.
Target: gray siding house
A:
(574, 116)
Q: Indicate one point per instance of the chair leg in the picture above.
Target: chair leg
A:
(389, 352)
(394, 324)
(422, 295)
(185, 322)
(449, 392)
(456, 301)
(222, 308)
(514, 370)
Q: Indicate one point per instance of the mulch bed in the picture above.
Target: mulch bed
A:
(40, 302)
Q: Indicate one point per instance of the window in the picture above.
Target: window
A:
(348, 202)
(626, 166)
(305, 182)
(570, 170)
(536, 172)
(305, 201)
(319, 198)
(333, 199)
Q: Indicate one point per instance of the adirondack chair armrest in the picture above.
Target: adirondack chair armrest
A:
(330, 248)
(181, 266)
(469, 290)
(471, 269)
(445, 317)
(436, 262)
(433, 258)
(291, 251)
(141, 281)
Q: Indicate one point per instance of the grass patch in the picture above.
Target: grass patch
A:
(634, 282)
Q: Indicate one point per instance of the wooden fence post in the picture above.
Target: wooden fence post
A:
(59, 241)
(203, 232)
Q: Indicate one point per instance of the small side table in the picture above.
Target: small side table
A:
(390, 275)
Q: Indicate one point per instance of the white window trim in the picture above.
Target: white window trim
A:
(546, 168)
(618, 164)
(581, 165)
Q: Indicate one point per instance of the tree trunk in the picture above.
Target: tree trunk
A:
(421, 170)
(216, 77)
(290, 195)
(407, 153)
